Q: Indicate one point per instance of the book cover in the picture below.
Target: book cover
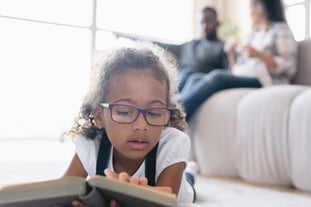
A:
(95, 192)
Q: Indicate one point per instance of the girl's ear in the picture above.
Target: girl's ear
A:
(98, 117)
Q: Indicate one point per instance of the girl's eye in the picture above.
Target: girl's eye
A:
(154, 114)
(124, 113)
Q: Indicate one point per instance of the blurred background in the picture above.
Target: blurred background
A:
(47, 48)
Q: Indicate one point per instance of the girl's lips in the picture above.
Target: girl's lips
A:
(138, 144)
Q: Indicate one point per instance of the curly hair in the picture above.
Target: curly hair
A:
(140, 56)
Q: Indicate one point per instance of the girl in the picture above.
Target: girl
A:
(129, 114)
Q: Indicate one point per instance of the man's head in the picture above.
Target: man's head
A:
(209, 23)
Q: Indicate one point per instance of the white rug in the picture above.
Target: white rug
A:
(218, 192)
(35, 160)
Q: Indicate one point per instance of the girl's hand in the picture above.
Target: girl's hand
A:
(77, 203)
(165, 189)
(123, 176)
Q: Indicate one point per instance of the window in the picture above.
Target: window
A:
(299, 17)
(159, 19)
(46, 51)
(43, 64)
(69, 12)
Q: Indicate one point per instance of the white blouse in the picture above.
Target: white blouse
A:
(174, 147)
(276, 40)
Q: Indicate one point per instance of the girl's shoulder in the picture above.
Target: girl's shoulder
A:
(174, 146)
(171, 134)
(171, 131)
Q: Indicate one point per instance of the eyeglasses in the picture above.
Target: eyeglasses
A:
(125, 114)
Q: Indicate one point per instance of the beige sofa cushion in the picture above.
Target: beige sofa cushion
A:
(212, 130)
(261, 135)
(300, 141)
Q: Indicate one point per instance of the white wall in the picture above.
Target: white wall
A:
(238, 12)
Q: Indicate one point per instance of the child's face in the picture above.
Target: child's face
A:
(140, 89)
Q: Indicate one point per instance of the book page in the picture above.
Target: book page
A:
(129, 195)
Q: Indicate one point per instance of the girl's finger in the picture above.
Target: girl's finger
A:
(76, 203)
(134, 180)
(110, 174)
(123, 176)
(143, 181)
(163, 189)
(114, 203)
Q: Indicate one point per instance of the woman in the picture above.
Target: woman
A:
(266, 57)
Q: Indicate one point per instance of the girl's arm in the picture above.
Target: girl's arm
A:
(75, 168)
(171, 177)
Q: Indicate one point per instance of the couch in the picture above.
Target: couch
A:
(260, 138)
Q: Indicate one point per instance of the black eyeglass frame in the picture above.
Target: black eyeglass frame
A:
(143, 111)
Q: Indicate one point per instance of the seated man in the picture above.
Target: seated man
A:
(202, 55)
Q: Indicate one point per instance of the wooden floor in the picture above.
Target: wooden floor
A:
(33, 160)
(223, 192)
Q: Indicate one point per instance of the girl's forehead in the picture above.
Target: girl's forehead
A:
(145, 73)
(136, 85)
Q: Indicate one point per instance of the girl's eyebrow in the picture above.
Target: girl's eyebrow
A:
(157, 101)
(130, 101)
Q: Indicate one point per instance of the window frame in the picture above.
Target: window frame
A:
(307, 5)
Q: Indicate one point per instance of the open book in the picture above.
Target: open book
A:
(95, 192)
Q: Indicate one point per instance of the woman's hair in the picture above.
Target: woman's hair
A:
(139, 56)
(273, 10)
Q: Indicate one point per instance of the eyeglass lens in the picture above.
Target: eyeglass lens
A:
(128, 114)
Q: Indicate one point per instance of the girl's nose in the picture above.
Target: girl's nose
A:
(140, 123)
